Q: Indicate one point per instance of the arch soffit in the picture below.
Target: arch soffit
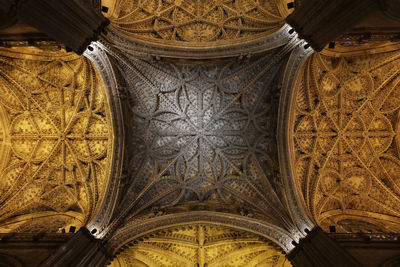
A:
(101, 61)
(298, 56)
(136, 228)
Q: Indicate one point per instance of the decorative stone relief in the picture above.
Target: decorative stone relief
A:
(194, 28)
(197, 21)
(345, 141)
(55, 140)
(203, 132)
(201, 245)
(353, 45)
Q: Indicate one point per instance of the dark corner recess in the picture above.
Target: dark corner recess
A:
(290, 5)
(104, 9)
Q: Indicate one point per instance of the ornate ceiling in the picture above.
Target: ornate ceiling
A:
(200, 113)
(55, 141)
(345, 141)
(196, 22)
(200, 245)
(203, 133)
(194, 29)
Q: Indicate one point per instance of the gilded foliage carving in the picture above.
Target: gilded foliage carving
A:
(196, 22)
(345, 139)
(204, 133)
(55, 140)
(201, 245)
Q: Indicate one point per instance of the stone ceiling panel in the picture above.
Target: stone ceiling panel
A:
(203, 133)
(201, 245)
(56, 138)
(195, 29)
(345, 141)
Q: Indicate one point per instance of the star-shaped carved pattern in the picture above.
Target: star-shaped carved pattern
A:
(56, 122)
(345, 138)
(198, 21)
(203, 132)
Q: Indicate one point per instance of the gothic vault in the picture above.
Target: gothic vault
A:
(196, 133)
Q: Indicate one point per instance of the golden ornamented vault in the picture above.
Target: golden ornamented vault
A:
(55, 140)
(201, 245)
(345, 139)
(196, 22)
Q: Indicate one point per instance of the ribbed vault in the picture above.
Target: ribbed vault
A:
(345, 140)
(56, 138)
(203, 133)
(194, 29)
(200, 245)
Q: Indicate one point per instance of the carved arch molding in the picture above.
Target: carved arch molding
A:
(344, 138)
(56, 140)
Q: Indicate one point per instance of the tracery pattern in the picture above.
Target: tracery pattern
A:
(204, 133)
(197, 22)
(345, 137)
(201, 245)
(55, 140)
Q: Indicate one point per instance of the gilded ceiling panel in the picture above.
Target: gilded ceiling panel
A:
(349, 46)
(55, 141)
(345, 141)
(204, 132)
(194, 25)
(201, 245)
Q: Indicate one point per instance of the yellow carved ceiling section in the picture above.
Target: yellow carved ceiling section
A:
(345, 138)
(55, 140)
(347, 48)
(196, 22)
(201, 245)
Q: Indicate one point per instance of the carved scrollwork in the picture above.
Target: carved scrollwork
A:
(345, 141)
(55, 139)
